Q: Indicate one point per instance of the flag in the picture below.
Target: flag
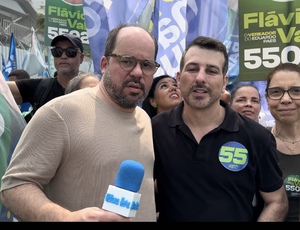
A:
(26, 59)
(174, 24)
(232, 46)
(102, 16)
(170, 29)
(3, 61)
(177, 23)
(34, 62)
(45, 73)
(207, 18)
(12, 58)
(12, 125)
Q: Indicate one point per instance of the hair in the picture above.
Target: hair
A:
(20, 74)
(110, 43)
(75, 83)
(146, 103)
(234, 91)
(291, 67)
(209, 44)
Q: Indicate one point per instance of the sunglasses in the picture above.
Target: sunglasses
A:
(70, 52)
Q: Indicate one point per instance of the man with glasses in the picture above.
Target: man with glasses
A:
(67, 50)
(72, 148)
(128, 62)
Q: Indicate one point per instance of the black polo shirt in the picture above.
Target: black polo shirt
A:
(213, 180)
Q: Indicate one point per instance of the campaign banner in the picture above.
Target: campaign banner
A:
(65, 16)
(268, 35)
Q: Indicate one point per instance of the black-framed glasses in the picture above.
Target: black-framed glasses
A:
(276, 93)
(128, 63)
(71, 52)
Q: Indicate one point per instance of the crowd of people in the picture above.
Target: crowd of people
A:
(206, 158)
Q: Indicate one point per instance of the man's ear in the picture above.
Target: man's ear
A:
(103, 64)
(178, 78)
(225, 83)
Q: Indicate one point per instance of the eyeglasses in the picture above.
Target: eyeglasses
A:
(277, 93)
(70, 52)
(128, 63)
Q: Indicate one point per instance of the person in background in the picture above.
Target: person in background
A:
(16, 75)
(68, 53)
(283, 99)
(226, 96)
(209, 159)
(245, 99)
(82, 80)
(163, 95)
(12, 125)
(56, 172)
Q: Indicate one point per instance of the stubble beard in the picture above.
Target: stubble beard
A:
(118, 95)
(198, 102)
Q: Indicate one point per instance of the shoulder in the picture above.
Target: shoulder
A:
(253, 126)
(69, 104)
(172, 117)
(48, 81)
(30, 82)
(43, 83)
(142, 113)
(74, 98)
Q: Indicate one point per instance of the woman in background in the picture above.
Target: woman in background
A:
(163, 95)
(283, 99)
(245, 99)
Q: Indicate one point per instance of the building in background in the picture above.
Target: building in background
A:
(17, 17)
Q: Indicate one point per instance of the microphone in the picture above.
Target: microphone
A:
(123, 198)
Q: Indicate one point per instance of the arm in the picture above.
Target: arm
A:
(15, 91)
(276, 206)
(28, 203)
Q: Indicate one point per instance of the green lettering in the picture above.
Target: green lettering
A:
(286, 21)
(250, 18)
(64, 13)
(271, 20)
(76, 25)
(52, 10)
(288, 38)
(297, 36)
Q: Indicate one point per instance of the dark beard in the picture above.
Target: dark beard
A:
(117, 95)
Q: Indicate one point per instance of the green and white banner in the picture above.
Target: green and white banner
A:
(65, 16)
(269, 34)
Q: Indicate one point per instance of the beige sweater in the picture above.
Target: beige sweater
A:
(73, 148)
